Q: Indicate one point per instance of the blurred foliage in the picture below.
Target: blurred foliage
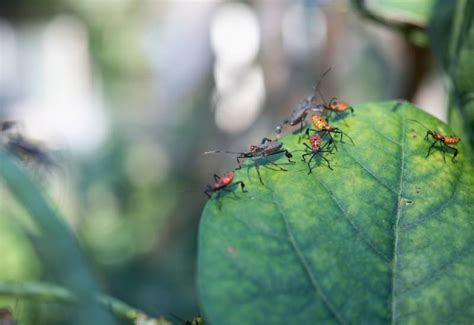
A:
(319, 248)
(57, 245)
(418, 12)
(452, 40)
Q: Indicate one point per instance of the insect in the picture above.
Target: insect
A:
(221, 182)
(22, 147)
(444, 141)
(266, 148)
(323, 126)
(316, 149)
(299, 113)
(197, 320)
(336, 106)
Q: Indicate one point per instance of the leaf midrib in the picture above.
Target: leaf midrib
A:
(397, 223)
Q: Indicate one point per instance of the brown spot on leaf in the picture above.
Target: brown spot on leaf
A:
(231, 250)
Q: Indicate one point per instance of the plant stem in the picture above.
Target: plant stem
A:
(54, 293)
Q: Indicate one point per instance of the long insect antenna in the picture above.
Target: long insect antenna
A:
(420, 124)
(221, 151)
(316, 89)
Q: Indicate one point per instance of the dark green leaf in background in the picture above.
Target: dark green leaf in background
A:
(388, 236)
(452, 40)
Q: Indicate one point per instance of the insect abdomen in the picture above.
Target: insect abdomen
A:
(451, 140)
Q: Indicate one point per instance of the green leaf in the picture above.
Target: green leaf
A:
(417, 12)
(387, 236)
(452, 39)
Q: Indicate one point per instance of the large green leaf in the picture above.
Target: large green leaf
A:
(387, 236)
(452, 40)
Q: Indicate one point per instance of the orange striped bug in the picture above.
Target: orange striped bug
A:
(222, 182)
(323, 126)
(334, 106)
(316, 149)
(444, 141)
(266, 148)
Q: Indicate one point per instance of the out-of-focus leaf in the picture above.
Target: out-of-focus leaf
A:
(416, 12)
(387, 236)
(61, 249)
(452, 39)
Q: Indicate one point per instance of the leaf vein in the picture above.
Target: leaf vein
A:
(360, 234)
(304, 263)
(397, 224)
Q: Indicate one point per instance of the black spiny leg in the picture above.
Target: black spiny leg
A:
(208, 191)
(309, 163)
(272, 163)
(238, 162)
(259, 176)
(216, 177)
(265, 140)
(327, 161)
(242, 186)
(431, 147)
(427, 134)
(455, 152)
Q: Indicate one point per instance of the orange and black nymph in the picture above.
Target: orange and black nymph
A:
(321, 125)
(444, 141)
(222, 182)
(317, 148)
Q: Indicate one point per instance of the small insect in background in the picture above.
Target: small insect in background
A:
(299, 113)
(316, 149)
(266, 149)
(444, 141)
(322, 126)
(222, 183)
(197, 320)
(27, 150)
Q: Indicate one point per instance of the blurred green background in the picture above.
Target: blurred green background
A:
(128, 94)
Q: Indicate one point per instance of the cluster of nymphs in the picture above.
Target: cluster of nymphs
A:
(322, 138)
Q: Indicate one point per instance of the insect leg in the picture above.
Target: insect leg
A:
(347, 135)
(216, 177)
(264, 140)
(272, 163)
(327, 161)
(207, 192)
(304, 155)
(258, 172)
(242, 186)
(309, 163)
(238, 162)
(431, 147)
(455, 152)
(427, 134)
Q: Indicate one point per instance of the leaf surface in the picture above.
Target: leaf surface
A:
(387, 236)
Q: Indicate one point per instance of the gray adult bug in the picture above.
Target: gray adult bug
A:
(266, 148)
(299, 113)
